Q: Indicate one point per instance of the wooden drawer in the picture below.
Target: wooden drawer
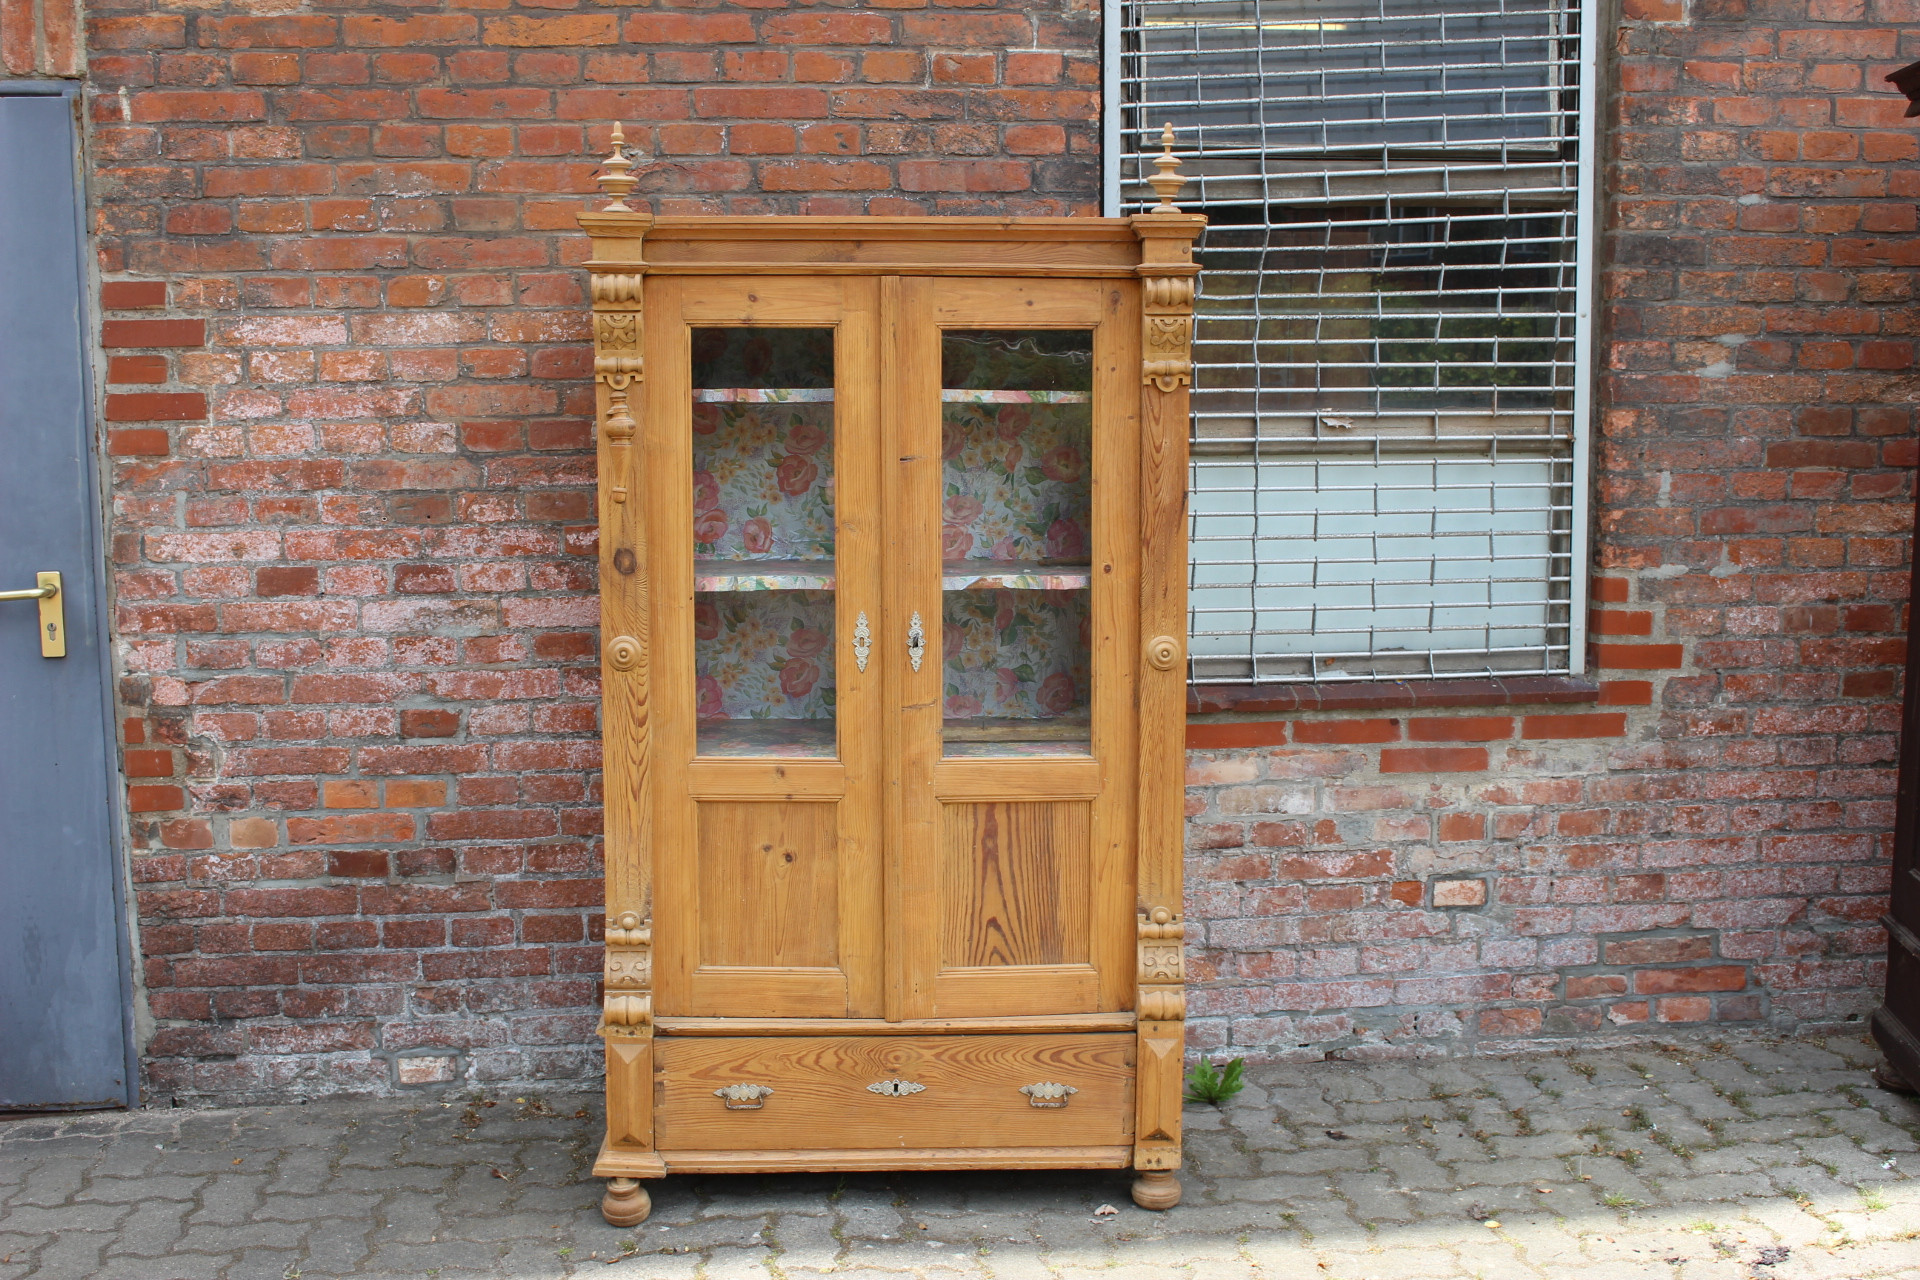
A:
(969, 1095)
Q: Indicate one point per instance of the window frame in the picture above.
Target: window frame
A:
(1585, 248)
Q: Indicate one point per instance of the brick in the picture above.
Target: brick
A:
(1592, 724)
(139, 442)
(1460, 728)
(1638, 657)
(559, 32)
(133, 295)
(1432, 759)
(153, 333)
(1460, 893)
(156, 406)
(1252, 733)
(1724, 977)
(1346, 731)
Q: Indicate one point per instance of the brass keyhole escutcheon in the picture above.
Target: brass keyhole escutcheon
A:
(623, 653)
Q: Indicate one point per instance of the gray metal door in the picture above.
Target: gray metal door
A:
(64, 1024)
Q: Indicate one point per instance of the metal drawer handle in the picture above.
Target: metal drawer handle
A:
(862, 641)
(743, 1097)
(916, 642)
(895, 1088)
(1047, 1094)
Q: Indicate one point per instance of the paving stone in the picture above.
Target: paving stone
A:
(1783, 1145)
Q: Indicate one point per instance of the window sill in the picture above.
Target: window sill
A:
(1376, 695)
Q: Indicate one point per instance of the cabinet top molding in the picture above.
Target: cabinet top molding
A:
(628, 240)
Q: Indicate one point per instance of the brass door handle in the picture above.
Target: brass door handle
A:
(53, 613)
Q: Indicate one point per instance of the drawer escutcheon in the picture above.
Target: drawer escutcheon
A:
(895, 1088)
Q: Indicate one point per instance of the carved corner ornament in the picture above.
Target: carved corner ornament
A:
(617, 365)
(627, 1010)
(1163, 967)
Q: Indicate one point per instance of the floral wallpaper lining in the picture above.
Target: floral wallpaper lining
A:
(1020, 654)
(1016, 482)
(763, 481)
(763, 655)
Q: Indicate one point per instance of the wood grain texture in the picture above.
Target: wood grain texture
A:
(859, 551)
(769, 884)
(1166, 251)
(1014, 884)
(1116, 621)
(971, 1095)
(666, 449)
(1026, 778)
(843, 1160)
(737, 779)
(616, 1162)
(910, 386)
(630, 1092)
(1026, 1024)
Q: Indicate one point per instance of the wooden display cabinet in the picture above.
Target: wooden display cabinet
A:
(893, 607)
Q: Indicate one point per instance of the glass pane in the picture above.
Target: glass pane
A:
(763, 527)
(1017, 438)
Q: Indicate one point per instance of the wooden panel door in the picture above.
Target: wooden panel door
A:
(1009, 635)
(760, 474)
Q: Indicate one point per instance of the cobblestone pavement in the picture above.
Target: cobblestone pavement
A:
(1742, 1160)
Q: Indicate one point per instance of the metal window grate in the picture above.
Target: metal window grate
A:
(1391, 345)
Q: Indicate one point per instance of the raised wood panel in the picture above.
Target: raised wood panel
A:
(1019, 304)
(769, 877)
(1029, 778)
(1014, 884)
(766, 779)
(970, 1095)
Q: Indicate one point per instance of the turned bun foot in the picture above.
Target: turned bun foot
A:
(627, 1203)
(1156, 1189)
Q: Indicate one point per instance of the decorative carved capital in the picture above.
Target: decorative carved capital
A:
(1166, 337)
(616, 289)
(628, 1004)
(1163, 967)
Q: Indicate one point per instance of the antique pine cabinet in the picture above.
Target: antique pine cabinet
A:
(892, 557)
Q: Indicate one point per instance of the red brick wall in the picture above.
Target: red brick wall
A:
(352, 510)
(346, 409)
(1708, 842)
(40, 38)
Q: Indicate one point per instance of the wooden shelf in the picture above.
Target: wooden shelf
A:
(1017, 575)
(763, 575)
(762, 395)
(806, 739)
(982, 395)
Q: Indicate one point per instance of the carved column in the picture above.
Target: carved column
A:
(618, 291)
(1166, 272)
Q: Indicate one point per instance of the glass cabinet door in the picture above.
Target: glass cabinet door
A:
(1014, 479)
(758, 479)
(763, 541)
(1016, 424)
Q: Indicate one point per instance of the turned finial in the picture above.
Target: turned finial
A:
(1168, 181)
(616, 181)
